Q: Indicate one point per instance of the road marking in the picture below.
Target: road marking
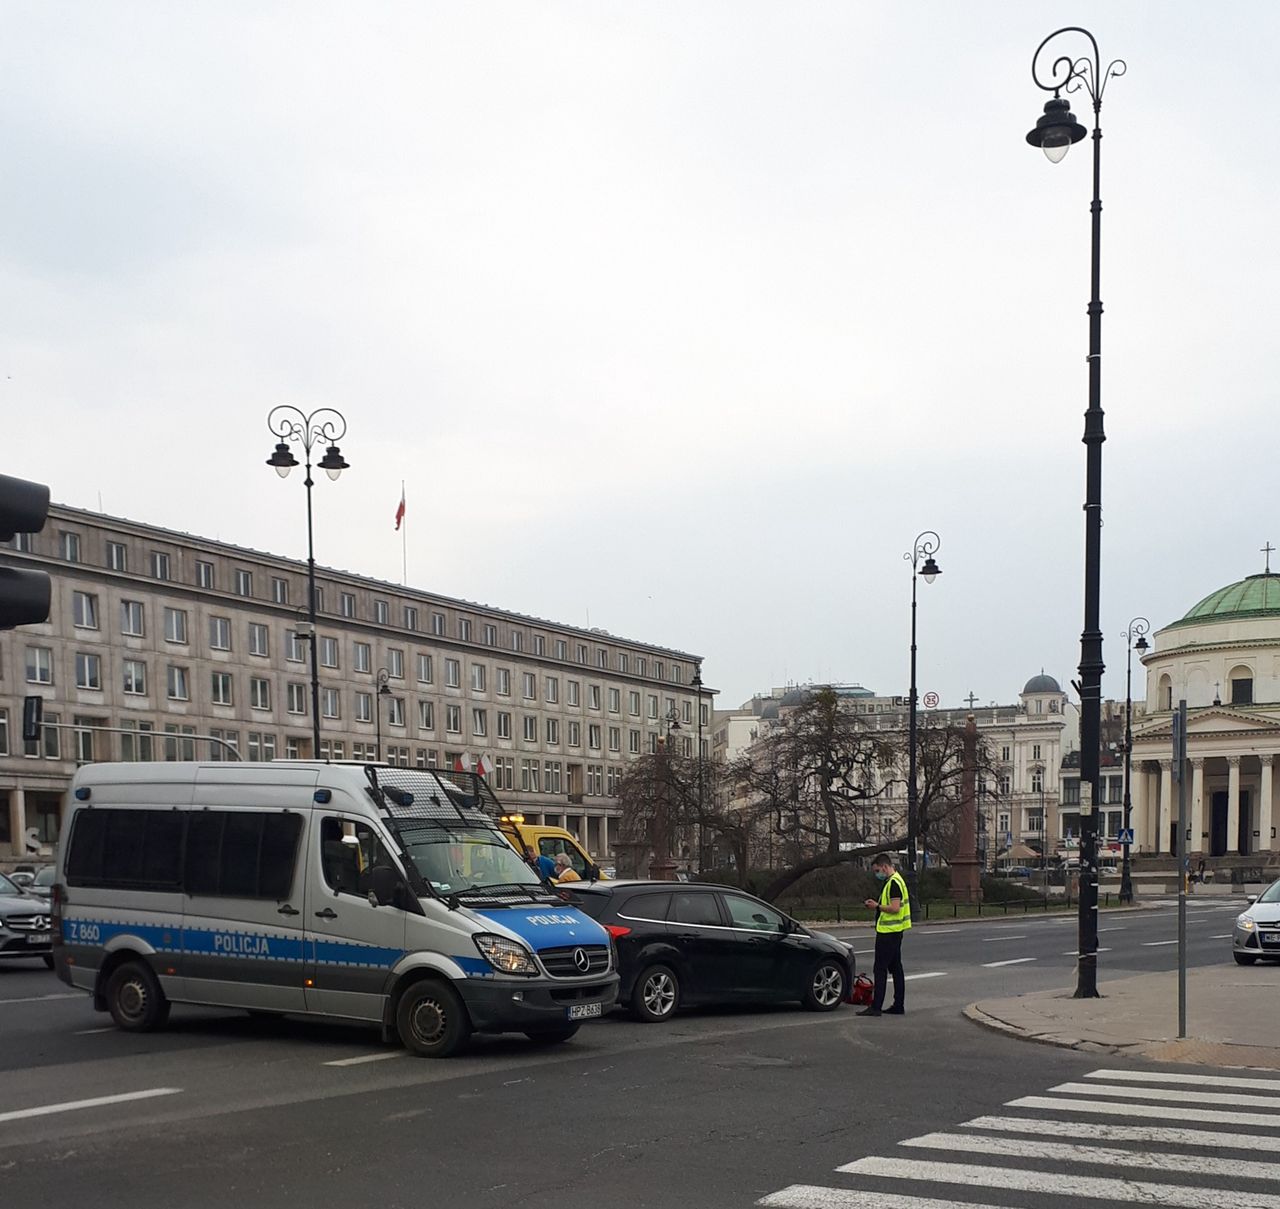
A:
(930, 974)
(381, 1056)
(809, 1196)
(45, 1110)
(1062, 1184)
(1073, 953)
(44, 998)
(1013, 961)
(862, 952)
(986, 940)
(1092, 1131)
(1153, 944)
(1160, 1112)
(1179, 1095)
(1099, 1156)
(89, 1032)
(1111, 929)
(1160, 1076)
(1223, 936)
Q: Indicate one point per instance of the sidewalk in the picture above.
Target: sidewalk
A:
(1231, 1014)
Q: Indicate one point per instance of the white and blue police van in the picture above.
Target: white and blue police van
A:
(347, 891)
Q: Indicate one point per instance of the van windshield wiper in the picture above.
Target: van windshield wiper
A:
(529, 890)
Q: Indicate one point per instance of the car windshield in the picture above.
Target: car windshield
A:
(45, 876)
(1271, 894)
(7, 887)
(462, 860)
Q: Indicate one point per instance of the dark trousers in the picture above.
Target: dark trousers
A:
(889, 962)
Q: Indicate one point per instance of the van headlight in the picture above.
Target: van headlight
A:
(505, 955)
(1244, 923)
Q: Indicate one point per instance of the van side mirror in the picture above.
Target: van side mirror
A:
(383, 884)
(593, 873)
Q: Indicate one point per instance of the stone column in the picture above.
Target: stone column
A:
(966, 875)
(1265, 842)
(18, 822)
(1138, 815)
(1196, 844)
(1166, 797)
(1233, 804)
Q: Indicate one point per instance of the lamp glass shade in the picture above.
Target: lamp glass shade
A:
(1055, 153)
(333, 463)
(1142, 644)
(282, 460)
(930, 571)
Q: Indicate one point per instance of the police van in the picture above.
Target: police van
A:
(331, 890)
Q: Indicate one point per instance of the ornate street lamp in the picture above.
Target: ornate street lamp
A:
(383, 691)
(1135, 640)
(1054, 134)
(289, 424)
(923, 567)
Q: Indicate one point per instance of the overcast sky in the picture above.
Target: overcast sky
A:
(677, 319)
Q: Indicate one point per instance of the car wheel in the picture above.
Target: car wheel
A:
(1244, 959)
(824, 992)
(134, 998)
(47, 958)
(551, 1036)
(432, 1021)
(656, 994)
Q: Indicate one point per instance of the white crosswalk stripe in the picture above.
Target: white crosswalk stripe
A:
(1211, 1162)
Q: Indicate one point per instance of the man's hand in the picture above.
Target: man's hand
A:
(870, 902)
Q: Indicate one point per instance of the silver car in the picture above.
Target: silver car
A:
(1257, 930)
(25, 929)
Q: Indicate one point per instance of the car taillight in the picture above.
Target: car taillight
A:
(616, 930)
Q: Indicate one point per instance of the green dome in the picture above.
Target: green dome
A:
(1257, 596)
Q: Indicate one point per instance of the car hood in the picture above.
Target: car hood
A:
(22, 904)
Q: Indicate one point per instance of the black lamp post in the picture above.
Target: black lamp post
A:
(922, 566)
(383, 691)
(702, 830)
(1138, 630)
(325, 425)
(1054, 133)
(1039, 770)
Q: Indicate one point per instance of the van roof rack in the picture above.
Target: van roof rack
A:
(427, 795)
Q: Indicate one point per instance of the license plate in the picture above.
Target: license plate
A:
(37, 940)
(1271, 938)
(583, 1011)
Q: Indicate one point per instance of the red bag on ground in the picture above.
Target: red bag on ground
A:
(861, 991)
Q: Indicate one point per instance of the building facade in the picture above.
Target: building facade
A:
(163, 646)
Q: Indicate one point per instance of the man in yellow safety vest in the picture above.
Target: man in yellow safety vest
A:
(893, 918)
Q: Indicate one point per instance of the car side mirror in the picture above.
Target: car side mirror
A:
(593, 873)
(383, 884)
(1252, 898)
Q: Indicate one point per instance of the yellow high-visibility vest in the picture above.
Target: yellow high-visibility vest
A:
(894, 921)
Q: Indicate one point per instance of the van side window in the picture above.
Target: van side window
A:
(552, 846)
(241, 853)
(129, 849)
(349, 851)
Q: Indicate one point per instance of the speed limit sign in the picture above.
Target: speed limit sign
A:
(931, 700)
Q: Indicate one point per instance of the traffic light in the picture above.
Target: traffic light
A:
(24, 595)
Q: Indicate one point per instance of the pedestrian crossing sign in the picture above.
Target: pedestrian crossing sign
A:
(1124, 835)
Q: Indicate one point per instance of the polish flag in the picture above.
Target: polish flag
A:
(484, 767)
(400, 510)
(462, 762)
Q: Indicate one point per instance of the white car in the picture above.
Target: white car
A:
(1257, 930)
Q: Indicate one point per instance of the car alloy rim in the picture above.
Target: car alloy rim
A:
(827, 985)
(659, 994)
(429, 1021)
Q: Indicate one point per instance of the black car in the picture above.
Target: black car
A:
(683, 943)
(25, 929)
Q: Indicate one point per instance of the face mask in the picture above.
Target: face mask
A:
(881, 877)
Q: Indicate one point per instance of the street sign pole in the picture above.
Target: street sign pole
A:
(1179, 771)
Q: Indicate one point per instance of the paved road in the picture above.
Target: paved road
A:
(719, 1109)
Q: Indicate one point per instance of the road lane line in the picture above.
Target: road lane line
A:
(810, 1196)
(986, 940)
(381, 1056)
(1074, 953)
(1153, 944)
(45, 1110)
(1102, 1188)
(45, 998)
(1178, 1095)
(1167, 1135)
(1098, 1156)
(1224, 936)
(1013, 961)
(89, 1032)
(1158, 1112)
(1111, 929)
(1160, 1076)
(929, 974)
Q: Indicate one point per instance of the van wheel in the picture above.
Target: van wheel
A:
(1244, 959)
(824, 991)
(432, 1021)
(655, 995)
(134, 998)
(551, 1036)
(47, 958)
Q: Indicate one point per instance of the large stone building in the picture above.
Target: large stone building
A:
(170, 647)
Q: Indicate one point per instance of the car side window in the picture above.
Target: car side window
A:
(647, 906)
(552, 846)
(695, 909)
(349, 851)
(747, 913)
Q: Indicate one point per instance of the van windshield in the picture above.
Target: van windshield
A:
(457, 860)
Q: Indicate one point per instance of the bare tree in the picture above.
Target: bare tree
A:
(940, 768)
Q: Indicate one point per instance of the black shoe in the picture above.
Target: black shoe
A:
(895, 1011)
(869, 1012)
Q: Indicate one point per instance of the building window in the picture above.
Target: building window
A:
(502, 682)
(70, 545)
(395, 664)
(220, 687)
(395, 711)
(244, 583)
(553, 732)
(453, 719)
(347, 604)
(88, 671)
(259, 693)
(615, 703)
(426, 715)
(633, 703)
(561, 649)
(424, 668)
(1242, 690)
(615, 738)
(504, 724)
(464, 628)
(602, 657)
(1004, 754)
(410, 617)
(539, 645)
(362, 657)
(633, 742)
(1037, 782)
(479, 723)
(85, 610)
(297, 696)
(491, 635)
(381, 611)
(437, 624)
(117, 556)
(593, 696)
(530, 686)
(653, 707)
(364, 707)
(453, 673)
(131, 618)
(477, 677)
(582, 652)
(329, 653)
(517, 638)
(204, 575)
(295, 647)
(135, 677)
(622, 667)
(279, 595)
(329, 703)
(640, 665)
(553, 690)
(1035, 751)
(593, 736)
(530, 728)
(175, 625)
(159, 565)
(259, 639)
(220, 633)
(571, 692)
(178, 688)
(573, 735)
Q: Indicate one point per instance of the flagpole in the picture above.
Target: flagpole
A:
(404, 544)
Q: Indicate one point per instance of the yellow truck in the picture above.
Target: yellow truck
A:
(540, 840)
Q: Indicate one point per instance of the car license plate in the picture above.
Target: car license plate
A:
(37, 940)
(1271, 938)
(583, 1011)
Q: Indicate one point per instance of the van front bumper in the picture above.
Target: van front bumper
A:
(505, 1007)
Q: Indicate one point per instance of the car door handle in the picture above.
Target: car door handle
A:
(288, 910)
(327, 913)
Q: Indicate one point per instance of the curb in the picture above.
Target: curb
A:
(994, 1024)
